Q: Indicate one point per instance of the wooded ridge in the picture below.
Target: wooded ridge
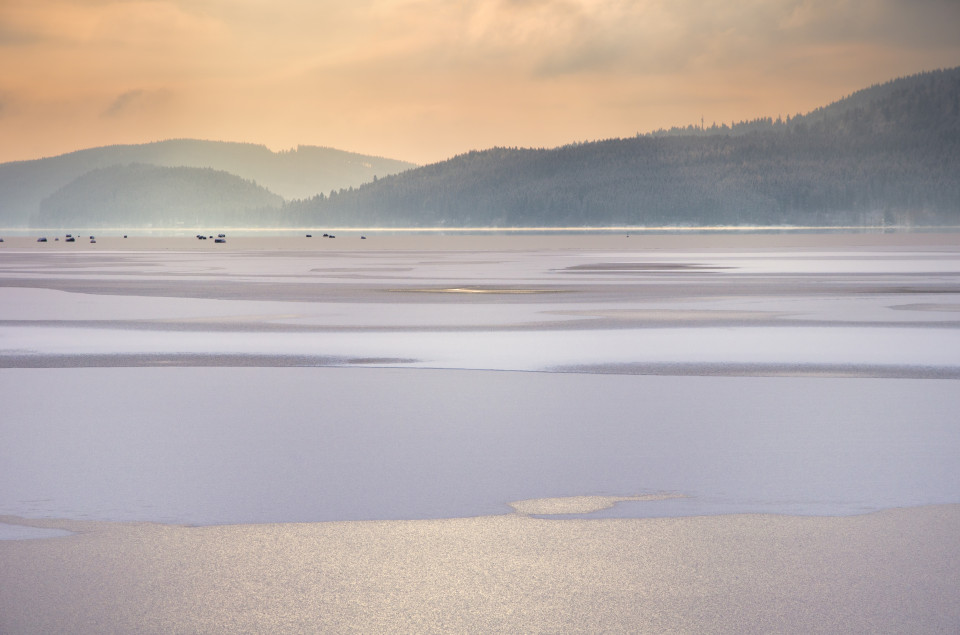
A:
(889, 154)
(298, 173)
(885, 155)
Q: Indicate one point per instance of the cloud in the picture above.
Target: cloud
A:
(123, 103)
(555, 38)
(137, 101)
(12, 36)
(550, 38)
(892, 23)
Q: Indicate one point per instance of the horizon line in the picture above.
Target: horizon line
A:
(507, 229)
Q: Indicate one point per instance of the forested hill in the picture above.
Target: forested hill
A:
(298, 173)
(886, 154)
(139, 195)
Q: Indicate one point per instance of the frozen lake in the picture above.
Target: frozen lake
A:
(428, 382)
(241, 445)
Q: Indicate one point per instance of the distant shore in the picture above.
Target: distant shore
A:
(452, 240)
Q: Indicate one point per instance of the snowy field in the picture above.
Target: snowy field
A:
(423, 380)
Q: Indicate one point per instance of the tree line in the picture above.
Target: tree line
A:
(888, 154)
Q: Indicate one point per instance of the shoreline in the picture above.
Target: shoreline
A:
(462, 241)
(563, 509)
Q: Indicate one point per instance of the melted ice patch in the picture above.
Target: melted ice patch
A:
(579, 504)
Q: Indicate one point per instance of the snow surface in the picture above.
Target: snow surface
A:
(231, 445)
(105, 416)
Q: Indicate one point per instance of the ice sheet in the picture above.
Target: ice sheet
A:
(240, 445)
(453, 428)
(65, 308)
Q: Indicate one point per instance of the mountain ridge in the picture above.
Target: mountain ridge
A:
(889, 154)
(297, 173)
(141, 194)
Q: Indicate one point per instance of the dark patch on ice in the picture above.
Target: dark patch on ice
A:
(361, 269)
(480, 290)
(380, 361)
(765, 370)
(186, 360)
(645, 267)
(949, 308)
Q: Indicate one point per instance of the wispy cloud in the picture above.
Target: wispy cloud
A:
(137, 101)
(123, 102)
(11, 36)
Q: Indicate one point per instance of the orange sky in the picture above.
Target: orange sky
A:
(423, 80)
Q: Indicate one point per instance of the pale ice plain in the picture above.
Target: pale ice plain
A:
(440, 378)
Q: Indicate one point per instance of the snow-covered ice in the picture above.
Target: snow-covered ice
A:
(247, 387)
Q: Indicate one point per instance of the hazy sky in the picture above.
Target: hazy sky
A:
(423, 80)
